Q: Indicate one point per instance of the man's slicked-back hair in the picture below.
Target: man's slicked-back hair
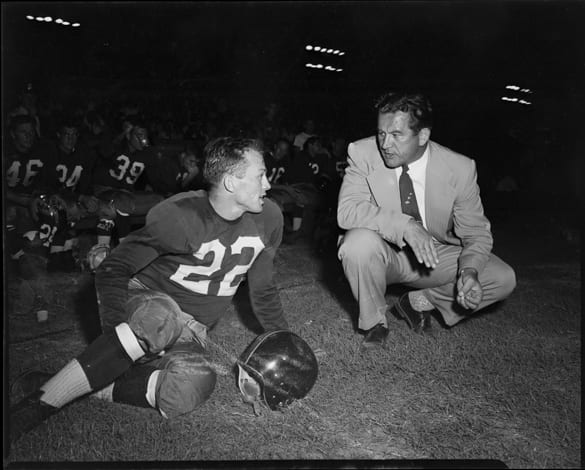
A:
(226, 155)
(416, 105)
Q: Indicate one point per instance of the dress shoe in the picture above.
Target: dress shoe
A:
(419, 322)
(375, 337)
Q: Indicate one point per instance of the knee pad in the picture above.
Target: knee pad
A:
(185, 382)
(155, 319)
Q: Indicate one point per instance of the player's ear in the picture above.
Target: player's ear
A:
(229, 183)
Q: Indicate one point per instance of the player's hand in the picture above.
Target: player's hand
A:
(469, 290)
(421, 243)
(91, 203)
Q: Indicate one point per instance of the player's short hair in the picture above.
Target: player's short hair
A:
(415, 104)
(226, 155)
(20, 119)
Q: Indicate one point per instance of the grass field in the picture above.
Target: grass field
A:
(504, 385)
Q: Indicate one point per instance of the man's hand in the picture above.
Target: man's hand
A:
(469, 290)
(421, 243)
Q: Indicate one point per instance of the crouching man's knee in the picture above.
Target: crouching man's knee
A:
(155, 319)
(183, 384)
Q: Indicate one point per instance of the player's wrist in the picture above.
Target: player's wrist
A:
(469, 271)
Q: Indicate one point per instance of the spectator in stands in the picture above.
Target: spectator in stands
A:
(269, 126)
(303, 195)
(27, 106)
(301, 137)
(177, 171)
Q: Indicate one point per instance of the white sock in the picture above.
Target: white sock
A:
(104, 394)
(66, 385)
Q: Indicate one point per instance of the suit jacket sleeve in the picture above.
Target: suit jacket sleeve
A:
(357, 207)
(470, 224)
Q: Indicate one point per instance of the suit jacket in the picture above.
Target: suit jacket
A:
(370, 198)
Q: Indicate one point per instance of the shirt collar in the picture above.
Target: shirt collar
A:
(421, 164)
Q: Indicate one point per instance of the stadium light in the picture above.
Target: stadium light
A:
(65, 23)
(526, 90)
(317, 48)
(506, 98)
(524, 102)
(30, 17)
(58, 21)
(76, 25)
(48, 19)
(309, 48)
(39, 18)
(342, 53)
(512, 87)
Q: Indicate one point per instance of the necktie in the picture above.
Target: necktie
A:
(407, 196)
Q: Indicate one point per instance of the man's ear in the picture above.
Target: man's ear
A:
(423, 136)
(229, 183)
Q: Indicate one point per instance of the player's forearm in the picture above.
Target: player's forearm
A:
(268, 309)
(112, 277)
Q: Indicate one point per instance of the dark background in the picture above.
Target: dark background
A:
(462, 54)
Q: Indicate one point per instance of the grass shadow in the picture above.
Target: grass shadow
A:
(86, 307)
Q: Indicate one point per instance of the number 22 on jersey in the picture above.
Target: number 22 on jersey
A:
(219, 259)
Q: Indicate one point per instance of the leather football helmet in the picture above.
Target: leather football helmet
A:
(277, 368)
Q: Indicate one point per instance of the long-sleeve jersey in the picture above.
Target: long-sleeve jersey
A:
(119, 168)
(25, 173)
(198, 258)
(71, 171)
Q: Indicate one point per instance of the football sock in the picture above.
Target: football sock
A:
(104, 394)
(136, 385)
(65, 386)
(104, 240)
(419, 301)
(108, 357)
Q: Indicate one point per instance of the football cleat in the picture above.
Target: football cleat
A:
(27, 414)
(276, 369)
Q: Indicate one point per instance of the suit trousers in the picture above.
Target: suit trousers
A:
(371, 264)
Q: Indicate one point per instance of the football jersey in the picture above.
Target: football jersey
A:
(306, 169)
(71, 171)
(25, 172)
(198, 258)
(276, 170)
(123, 168)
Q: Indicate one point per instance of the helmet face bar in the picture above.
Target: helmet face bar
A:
(282, 365)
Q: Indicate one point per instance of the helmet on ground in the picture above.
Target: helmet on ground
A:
(96, 255)
(276, 369)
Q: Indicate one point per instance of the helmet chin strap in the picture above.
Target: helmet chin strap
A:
(249, 388)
